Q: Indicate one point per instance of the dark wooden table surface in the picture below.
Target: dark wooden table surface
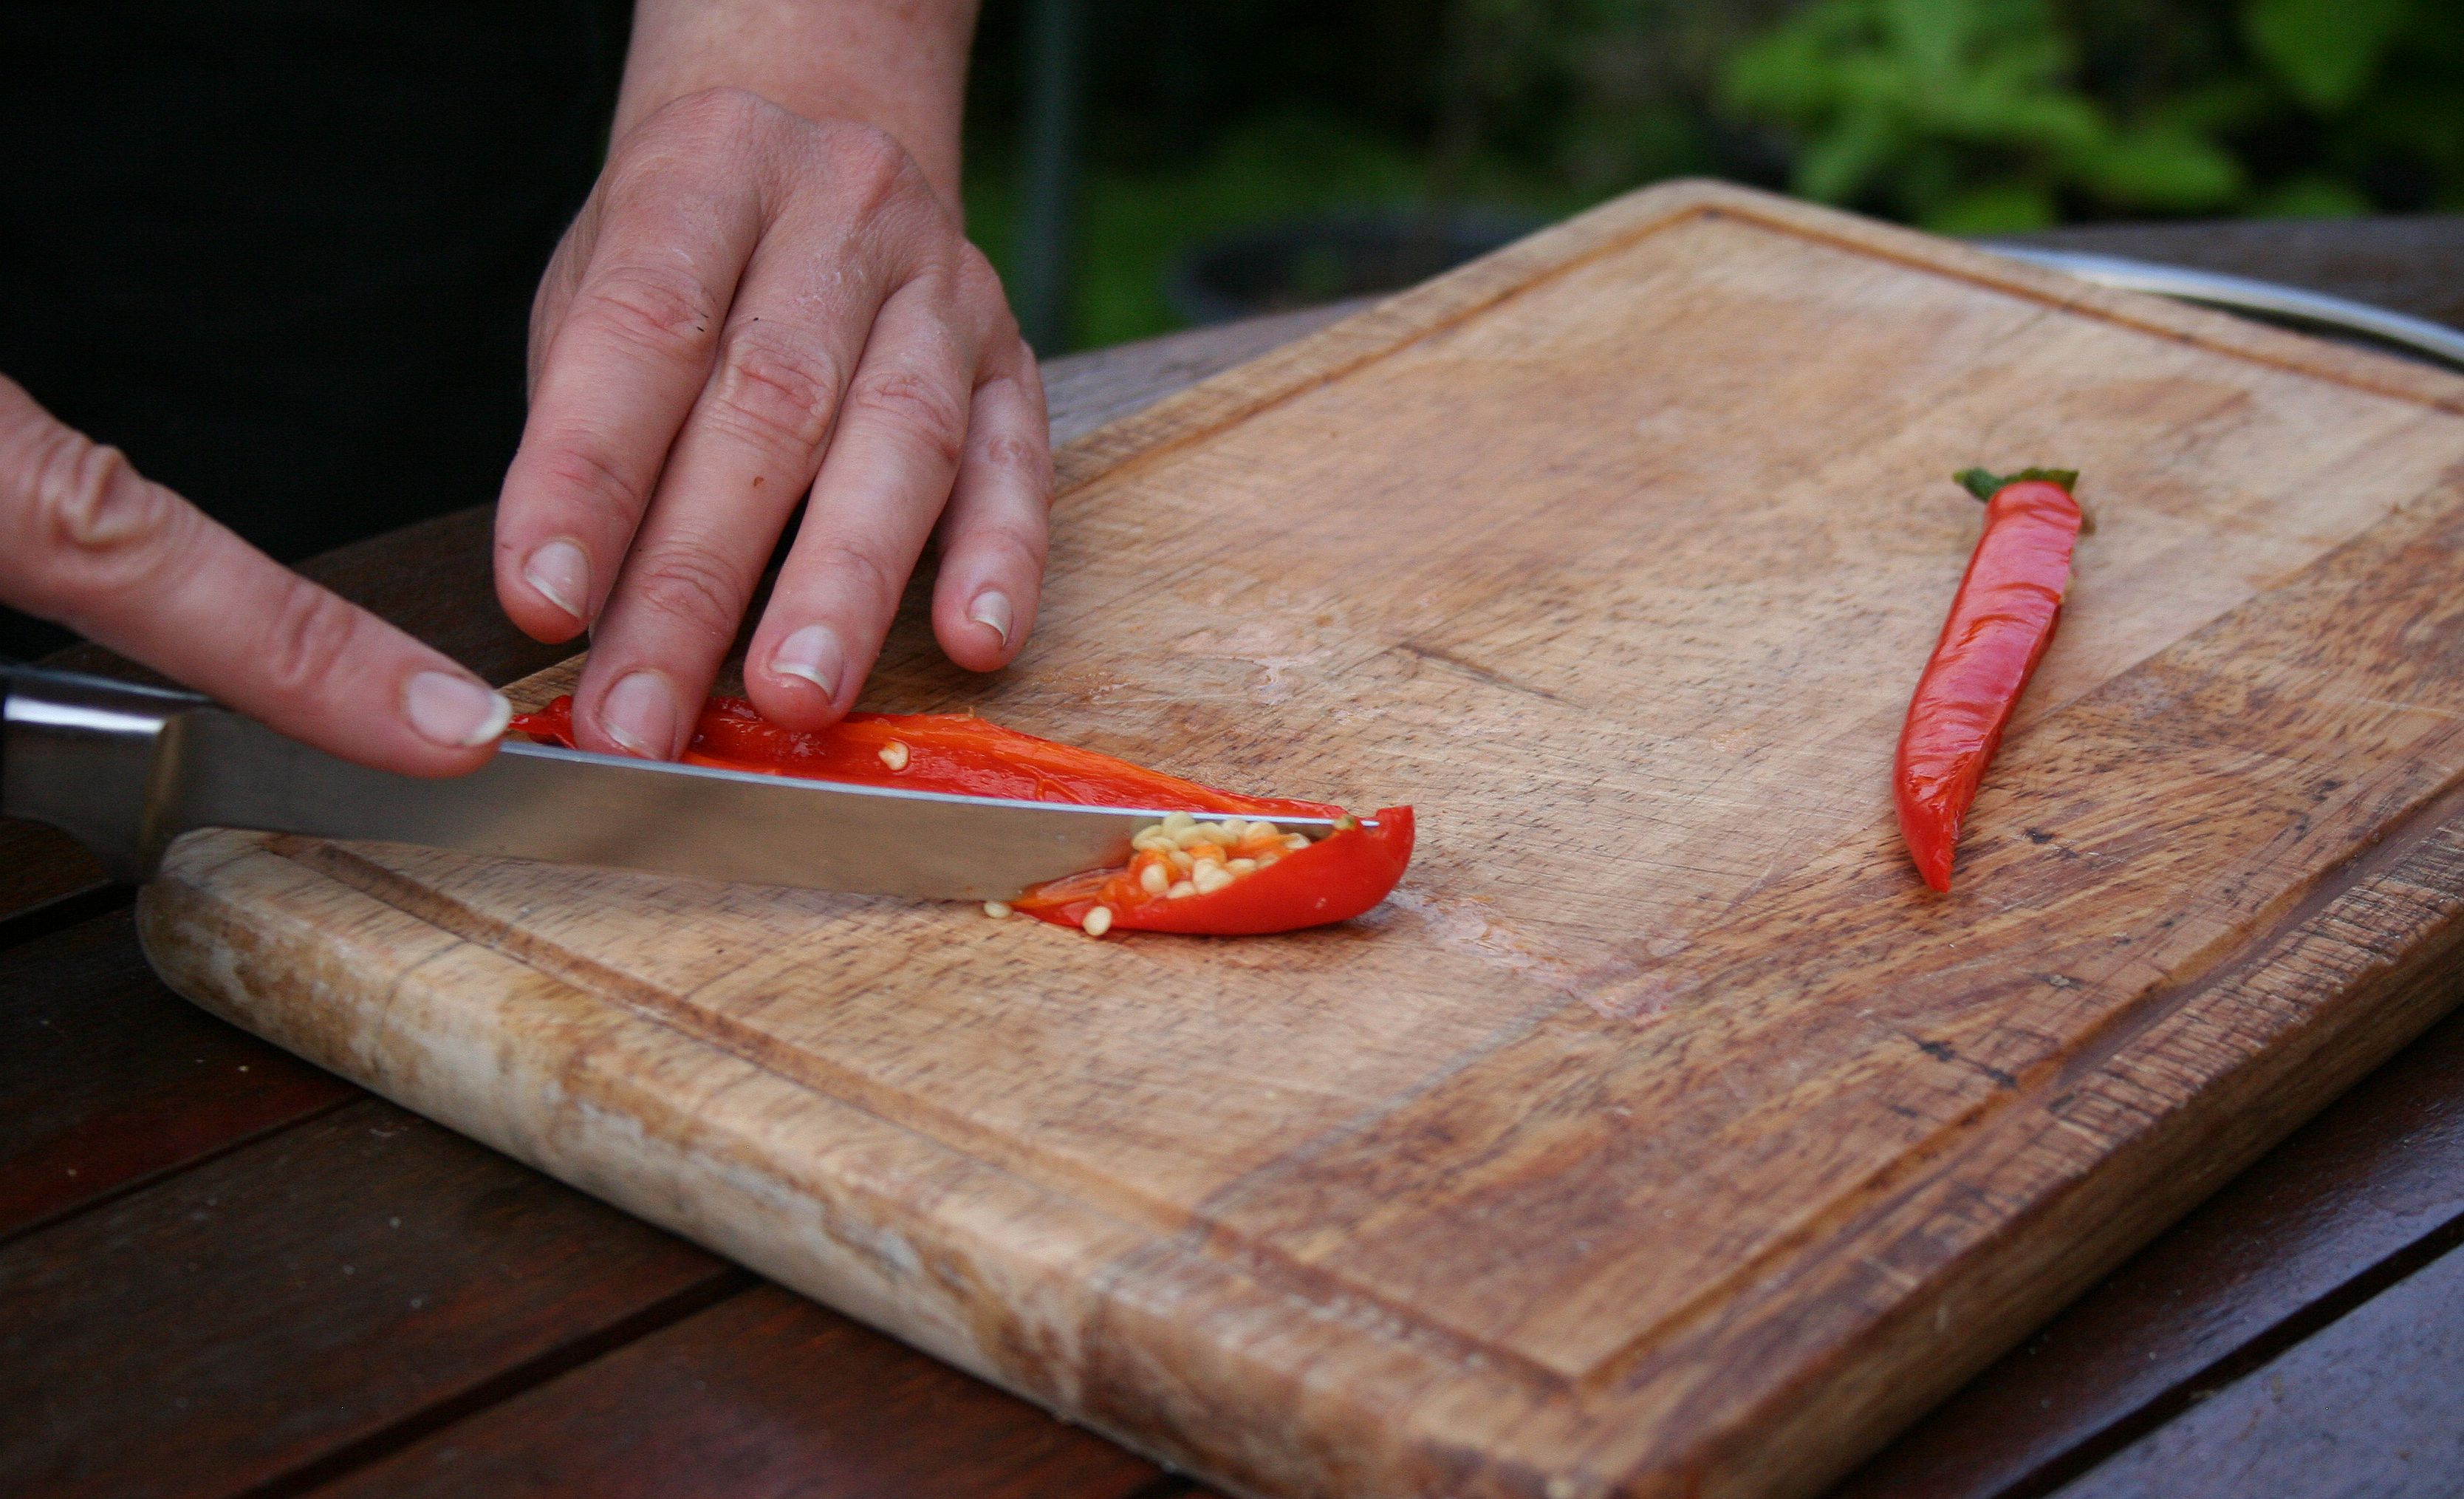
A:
(225, 1272)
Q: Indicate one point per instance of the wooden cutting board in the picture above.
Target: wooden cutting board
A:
(1663, 1134)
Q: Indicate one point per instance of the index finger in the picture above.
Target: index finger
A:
(85, 541)
(630, 354)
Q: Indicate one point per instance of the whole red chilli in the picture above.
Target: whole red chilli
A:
(2000, 626)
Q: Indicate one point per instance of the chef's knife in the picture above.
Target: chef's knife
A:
(126, 769)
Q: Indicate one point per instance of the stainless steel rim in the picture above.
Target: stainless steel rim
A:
(2240, 294)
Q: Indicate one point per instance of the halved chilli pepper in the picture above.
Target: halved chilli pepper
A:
(1998, 628)
(1235, 878)
(1292, 884)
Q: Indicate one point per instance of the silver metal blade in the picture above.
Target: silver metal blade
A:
(563, 806)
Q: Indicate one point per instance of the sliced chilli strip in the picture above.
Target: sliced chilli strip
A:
(1237, 876)
(955, 753)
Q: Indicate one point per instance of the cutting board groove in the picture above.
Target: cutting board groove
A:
(1662, 1135)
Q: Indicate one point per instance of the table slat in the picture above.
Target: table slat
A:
(2371, 1406)
(112, 1079)
(763, 1393)
(2345, 1202)
(306, 1301)
(42, 872)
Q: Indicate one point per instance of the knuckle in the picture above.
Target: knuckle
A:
(308, 640)
(860, 147)
(867, 572)
(868, 165)
(979, 282)
(561, 284)
(925, 411)
(776, 388)
(654, 307)
(1029, 544)
(90, 501)
(1015, 457)
(579, 471)
(94, 529)
(691, 585)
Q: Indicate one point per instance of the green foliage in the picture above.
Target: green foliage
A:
(1591, 96)
(1981, 115)
(2323, 50)
(1962, 114)
(1965, 116)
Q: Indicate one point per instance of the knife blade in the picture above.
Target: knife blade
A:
(128, 769)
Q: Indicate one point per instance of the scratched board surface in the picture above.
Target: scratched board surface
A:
(1663, 1134)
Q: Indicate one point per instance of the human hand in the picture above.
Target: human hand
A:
(754, 305)
(87, 541)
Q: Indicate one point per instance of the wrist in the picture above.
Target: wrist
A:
(897, 65)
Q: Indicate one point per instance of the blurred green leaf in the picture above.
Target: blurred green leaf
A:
(2324, 50)
(2161, 169)
(1962, 112)
(1838, 163)
(2008, 208)
(2310, 196)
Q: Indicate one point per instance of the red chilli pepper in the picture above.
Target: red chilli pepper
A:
(1332, 879)
(1337, 878)
(1998, 628)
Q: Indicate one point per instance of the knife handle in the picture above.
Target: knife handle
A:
(87, 755)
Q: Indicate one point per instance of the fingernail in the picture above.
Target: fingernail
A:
(560, 571)
(991, 608)
(454, 711)
(640, 714)
(815, 654)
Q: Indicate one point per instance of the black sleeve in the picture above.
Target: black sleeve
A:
(282, 251)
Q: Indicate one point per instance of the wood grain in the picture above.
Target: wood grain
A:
(1085, 391)
(2370, 1408)
(112, 1081)
(384, 1267)
(1663, 1136)
(2356, 1196)
(764, 1394)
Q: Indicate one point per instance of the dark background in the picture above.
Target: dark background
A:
(1962, 116)
(282, 251)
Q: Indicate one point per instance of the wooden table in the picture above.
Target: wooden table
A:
(222, 1270)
